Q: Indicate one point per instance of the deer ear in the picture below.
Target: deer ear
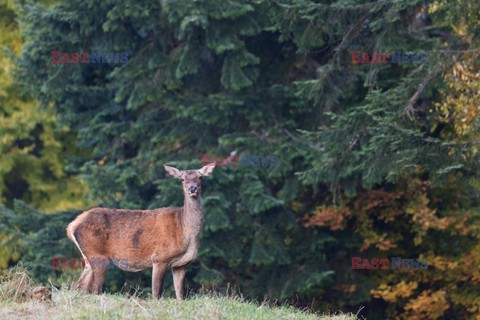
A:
(206, 170)
(174, 172)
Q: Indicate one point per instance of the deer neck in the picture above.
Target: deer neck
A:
(192, 217)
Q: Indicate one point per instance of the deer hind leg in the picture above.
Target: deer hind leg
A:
(99, 277)
(85, 281)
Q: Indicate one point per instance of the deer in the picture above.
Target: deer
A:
(160, 239)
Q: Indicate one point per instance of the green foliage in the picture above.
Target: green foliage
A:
(37, 237)
(33, 147)
(265, 78)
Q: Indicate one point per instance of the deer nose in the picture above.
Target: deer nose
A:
(192, 189)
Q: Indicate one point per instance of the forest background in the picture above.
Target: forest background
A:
(375, 160)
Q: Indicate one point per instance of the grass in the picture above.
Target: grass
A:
(16, 302)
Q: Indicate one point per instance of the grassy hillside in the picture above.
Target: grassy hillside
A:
(18, 302)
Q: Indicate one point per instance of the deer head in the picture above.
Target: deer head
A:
(191, 179)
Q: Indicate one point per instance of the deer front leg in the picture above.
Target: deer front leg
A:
(178, 278)
(158, 274)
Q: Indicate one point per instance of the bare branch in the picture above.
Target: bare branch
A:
(409, 109)
(317, 147)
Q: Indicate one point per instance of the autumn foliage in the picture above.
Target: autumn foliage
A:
(407, 222)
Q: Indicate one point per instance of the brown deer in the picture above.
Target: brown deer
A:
(158, 239)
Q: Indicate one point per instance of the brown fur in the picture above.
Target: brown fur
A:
(158, 239)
